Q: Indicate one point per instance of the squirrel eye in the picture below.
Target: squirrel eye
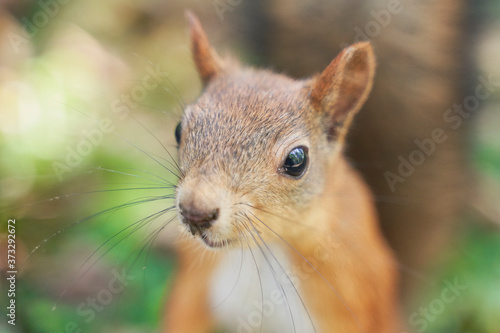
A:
(296, 162)
(178, 130)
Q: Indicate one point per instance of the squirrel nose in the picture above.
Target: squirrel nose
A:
(198, 220)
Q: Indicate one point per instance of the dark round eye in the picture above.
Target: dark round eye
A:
(296, 162)
(178, 130)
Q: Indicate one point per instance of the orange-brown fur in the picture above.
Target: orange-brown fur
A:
(368, 287)
(188, 309)
(233, 141)
(421, 59)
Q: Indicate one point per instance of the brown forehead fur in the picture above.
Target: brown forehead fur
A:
(239, 118)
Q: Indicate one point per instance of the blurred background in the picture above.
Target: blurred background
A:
(90, 94)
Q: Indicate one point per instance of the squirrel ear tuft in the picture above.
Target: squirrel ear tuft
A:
(205, 58)
(342, 88)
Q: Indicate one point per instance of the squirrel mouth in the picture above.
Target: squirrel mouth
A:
(215, 243)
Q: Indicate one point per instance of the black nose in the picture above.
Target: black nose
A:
(198, 220)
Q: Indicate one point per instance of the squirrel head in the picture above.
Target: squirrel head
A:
(256, 147)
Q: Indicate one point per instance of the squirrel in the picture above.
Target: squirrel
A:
(281, 233)
(424, 68)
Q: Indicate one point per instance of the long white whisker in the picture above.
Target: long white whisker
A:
(237, 279)
(278, 283)
(258, 273)
(314, 268)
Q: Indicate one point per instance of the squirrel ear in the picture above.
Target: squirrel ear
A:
(342, 88)
(205, 58)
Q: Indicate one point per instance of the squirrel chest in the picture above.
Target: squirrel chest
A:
(255, 290)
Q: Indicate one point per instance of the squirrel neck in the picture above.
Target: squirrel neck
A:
(344, 208)
(345, 235)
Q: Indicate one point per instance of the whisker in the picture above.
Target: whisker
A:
(313, 267)
(402, 268)
(92, 216)
(237, 278)
(150, 239)
(161, 179)
(278, 283)
(81, 275)
(70, 195)
(178, 96)
(288, 277)
(283, 217)
(139, 224)
(149, 155)
(172, 161)
(129, 142)
(260, 278)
